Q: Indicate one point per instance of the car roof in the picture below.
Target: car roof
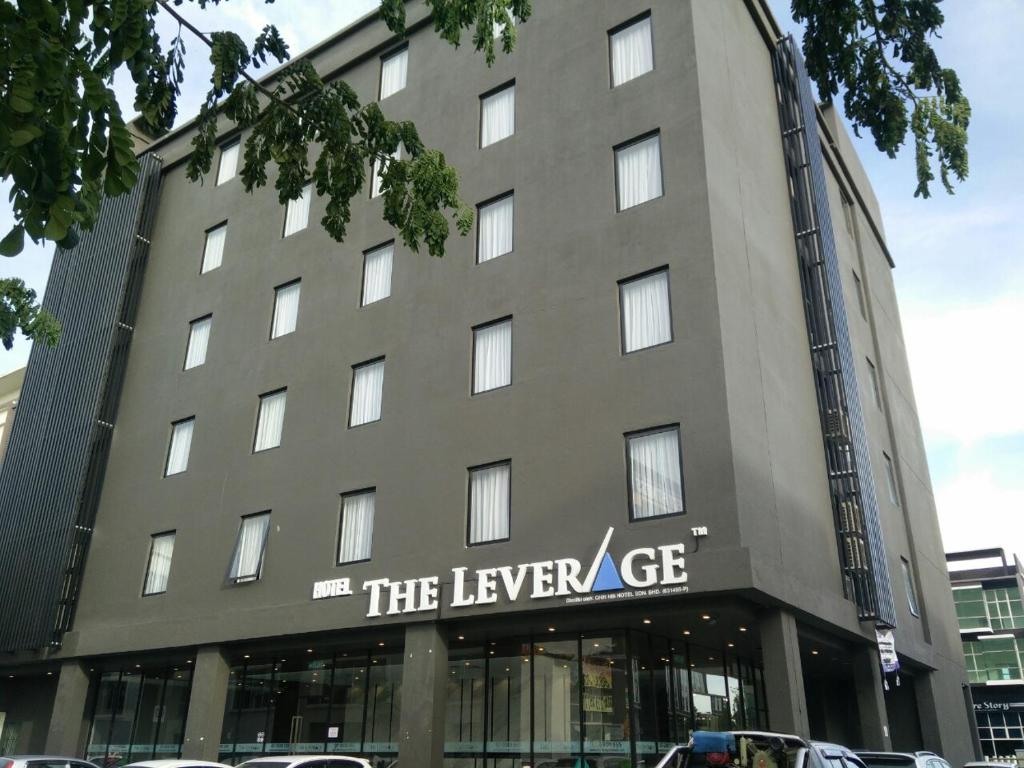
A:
(770, 735)
(300, 758)
(174, 763)
(46, 757)
(875, 753)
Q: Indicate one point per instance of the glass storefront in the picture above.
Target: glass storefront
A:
(338, 702)
(138, 714)
(609, 699)
(1001, 733)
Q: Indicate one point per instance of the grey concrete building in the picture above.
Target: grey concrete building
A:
(639, 456)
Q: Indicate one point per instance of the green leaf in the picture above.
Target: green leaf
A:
(14, 242)
(22, 136)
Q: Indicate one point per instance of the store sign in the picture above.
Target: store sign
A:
(999, 706)
(887, 651)
(640, 572)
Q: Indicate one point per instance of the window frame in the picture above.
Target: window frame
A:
(362, 281)
(891, 483)
(511, 83)
(483, 204)
(341, 524)
(627, 436)
(170, 445)
(876, 385)
(236, 142)
(469, 501)
(621, 27)
(615, 164)
(352, 392)
(188, 342)
(273, 309)
(288, 203)
(206, 237)
(913, 600)
(236, 580)
(256, 426)
(149, 561)
(858, 286)
(404, 47)
(472, 355)
(622, 315)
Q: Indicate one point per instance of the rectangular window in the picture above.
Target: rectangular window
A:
(379, 167)
(847, 212)
(198, 340)
(247, 562)
(497, 115)
(296, 212)
(393, 70)
(655, 473)
(860, 296)
(489, 502)
(377, 266)
(181, 444)
(876, 389)
(499, 27)
(356, 536)
(286, 309)
(638, 171)
(213, 250)
(494, 228)
(161, 548)
(632, 50)
(228, 162)
(908, 582)
(367, 390)
(646, 311)
(270, 420)
(890, 480)
(492, 355)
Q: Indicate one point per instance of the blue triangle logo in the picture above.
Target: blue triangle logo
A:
(607, 577)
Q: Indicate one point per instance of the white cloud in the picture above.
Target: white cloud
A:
(978, 512)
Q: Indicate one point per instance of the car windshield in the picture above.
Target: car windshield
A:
(887, 761)
(265, 764)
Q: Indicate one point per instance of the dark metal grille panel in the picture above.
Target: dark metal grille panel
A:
(854, 502)
(53, 472)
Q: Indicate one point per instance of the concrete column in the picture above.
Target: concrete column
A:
(871, 709)
(206, 705)
(69, 721)
(783, 674)
(421, 734)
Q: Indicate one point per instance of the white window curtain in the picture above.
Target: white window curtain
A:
(161, 549)
(377, 273)
(494, 229)
(228, 163)
(252, 538)
(286, 309)
(489, 503)
(655, 477)
(213, 251)
(646, 313)
(638, 168)
(492, 356)
(393, 71)
(296, 217)
(632, 52)
(498, 116)
(367, 389)
(198, 340)
(378, 169)
(499, 26)
(181, 444)
(356, 527)
(270, 420)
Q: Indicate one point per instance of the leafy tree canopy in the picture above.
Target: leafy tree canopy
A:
(64, 142)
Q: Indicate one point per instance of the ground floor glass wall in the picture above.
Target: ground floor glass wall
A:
(338, 702)
(608, 699)
(1001, 733)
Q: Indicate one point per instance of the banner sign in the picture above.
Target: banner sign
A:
(887, 651)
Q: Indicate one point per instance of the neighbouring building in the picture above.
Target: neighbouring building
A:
(987, 590)
(10, 390)
(638, 456)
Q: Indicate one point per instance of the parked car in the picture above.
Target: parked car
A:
(987, 764)
(44, 761)
(837, 756)
(172, 763)
(306, 761)
(902, 759)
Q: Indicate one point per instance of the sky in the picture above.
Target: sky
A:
(959, 267)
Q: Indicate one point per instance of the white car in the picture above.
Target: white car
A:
(175, 764)
(307, 761)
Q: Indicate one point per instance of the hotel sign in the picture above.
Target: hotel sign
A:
(640, 572)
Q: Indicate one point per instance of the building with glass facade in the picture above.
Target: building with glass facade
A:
(638, 456)
(987, 589)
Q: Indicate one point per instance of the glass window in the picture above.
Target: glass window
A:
(876, 390)
(286, 309)
(489, 502)
(710, 691)
(348, 700)
(383, 705)
(499, 27)
(655, 473)
(638, 171)
(296, 212)
(890, 480)
(367, 392)
(605, 713)
(859, 286)
(213, 249)
(181, 444)
(492, 356)
(161, 549)
(652, 677)
(464, 711)
(1003, 606)
(556, 715)
(198, 340)
(632, 51)
(270, 420)
(970, 607)
(393, 70)
(377, 265)
(356, 535)
(495, 228)
(908, 583)
(497, 115)
(247, 561)
(646, 311)
(228, 162)
(378, 171)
